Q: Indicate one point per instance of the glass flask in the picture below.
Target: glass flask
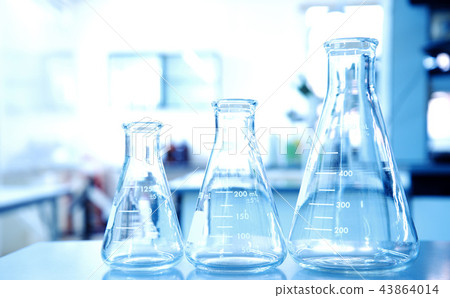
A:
(235, 226)
(143, 232)
(352, 212)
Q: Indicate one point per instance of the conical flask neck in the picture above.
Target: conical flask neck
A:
(140, 147)
(234, 133)
(235, 129)
(351, 74)
(142, 142)
(351, 65)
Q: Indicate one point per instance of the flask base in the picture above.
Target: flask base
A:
(233, 264)
(355, 263)
(144, 262)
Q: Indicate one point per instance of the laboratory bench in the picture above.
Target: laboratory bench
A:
(16, 197)
(81, 260)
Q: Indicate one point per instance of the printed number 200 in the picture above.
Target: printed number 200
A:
(340, 230)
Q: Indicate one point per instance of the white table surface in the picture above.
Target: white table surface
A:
(80, 260)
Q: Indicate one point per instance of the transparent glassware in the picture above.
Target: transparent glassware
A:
(235, 226)
(143, 232)
(352, 212)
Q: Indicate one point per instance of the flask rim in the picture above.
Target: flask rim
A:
(142, 126)
(351, 43)
(234, 105)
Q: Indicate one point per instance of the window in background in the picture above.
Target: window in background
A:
(39, 82)
(195, 76)
(438, 118)
(59, 82)
(134, 83)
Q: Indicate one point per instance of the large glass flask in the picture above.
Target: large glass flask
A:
(143, 232)
(235, 225)
(352, 212)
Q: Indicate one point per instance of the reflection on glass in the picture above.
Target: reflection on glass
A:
(398, 273)
(272, 274)
(169, 274)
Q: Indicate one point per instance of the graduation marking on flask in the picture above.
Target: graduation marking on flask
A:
(321, 204)
(337, 229)
(230, 213)
(226, 192)
(220, 236)
(318, 229)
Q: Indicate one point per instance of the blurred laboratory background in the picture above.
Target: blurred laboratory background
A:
(72, 71)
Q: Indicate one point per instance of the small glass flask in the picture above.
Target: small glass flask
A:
(143, 232)
(235, 226)
(352, 213)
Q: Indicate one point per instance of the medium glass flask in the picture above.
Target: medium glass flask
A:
(352, 212)
(143, 232)
(235, 225)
